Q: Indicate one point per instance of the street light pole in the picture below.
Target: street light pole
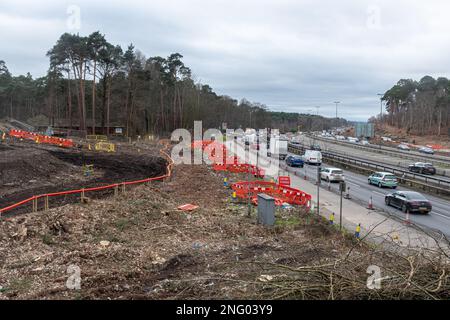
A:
(337, 102)
(319, 168)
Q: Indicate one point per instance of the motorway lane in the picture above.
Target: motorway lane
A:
(412, 152)
(389, 161)
(361, 191)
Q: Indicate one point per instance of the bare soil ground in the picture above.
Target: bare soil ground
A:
(29, 169)
(402, 135)
(139, 246)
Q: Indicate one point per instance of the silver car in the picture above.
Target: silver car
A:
(332, 175)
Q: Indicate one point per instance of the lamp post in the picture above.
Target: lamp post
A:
(337, 102)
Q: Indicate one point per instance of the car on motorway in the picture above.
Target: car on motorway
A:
(315, 147)
(332, 175)
(404, 147)
(353, 140)
(409, 201)
(426, 150)
(383, 179)
(422, 167)
(313, 157)
(295, 161)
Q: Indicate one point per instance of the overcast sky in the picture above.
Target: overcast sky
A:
(289, 55)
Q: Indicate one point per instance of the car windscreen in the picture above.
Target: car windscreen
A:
(337, 172)
(415, 196)
(390, 176)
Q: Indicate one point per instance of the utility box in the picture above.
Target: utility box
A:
(266, 210)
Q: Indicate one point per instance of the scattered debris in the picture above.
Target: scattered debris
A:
(188, 207)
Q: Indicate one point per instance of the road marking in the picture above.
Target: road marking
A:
(446, 217)
(354, 184)
(378, 193)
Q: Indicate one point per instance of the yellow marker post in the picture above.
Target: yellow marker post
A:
(358, 231)
(332, 218)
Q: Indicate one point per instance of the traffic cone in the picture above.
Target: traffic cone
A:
(370, 206)
(407, 221)
(347, 194)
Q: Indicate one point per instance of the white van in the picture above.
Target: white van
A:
(313, 157)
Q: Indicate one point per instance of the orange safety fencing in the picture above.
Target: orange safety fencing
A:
(217, 154)
(82, 192)
(39, 138)
(282, 194)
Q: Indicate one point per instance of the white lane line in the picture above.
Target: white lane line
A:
(354, 184)
(441, 215)
(378, 193)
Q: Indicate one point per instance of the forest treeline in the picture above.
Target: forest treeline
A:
(90, 80)
(421, 107)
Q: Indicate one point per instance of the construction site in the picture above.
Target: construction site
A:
(96, 219)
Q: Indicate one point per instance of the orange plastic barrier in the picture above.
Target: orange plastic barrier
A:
(282, 194)
(222, 162)
(284, 181)
(66, 143)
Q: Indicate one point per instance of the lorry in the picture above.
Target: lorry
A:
(278, 148)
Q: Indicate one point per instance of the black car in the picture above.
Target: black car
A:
(315, 147)
(408, 201)
(423, 168)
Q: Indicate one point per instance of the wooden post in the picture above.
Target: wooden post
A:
(46, 203)
(35, 204)
(116, 190)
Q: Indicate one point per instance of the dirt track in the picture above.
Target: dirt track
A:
(28, 169)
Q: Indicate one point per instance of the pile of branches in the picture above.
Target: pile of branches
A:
(378, 274)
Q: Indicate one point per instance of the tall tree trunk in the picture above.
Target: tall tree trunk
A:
(104, 93)
(161, 99)
(69, 100)
(108, 105)
(93, 98)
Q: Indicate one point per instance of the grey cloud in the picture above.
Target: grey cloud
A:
(289, 55)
